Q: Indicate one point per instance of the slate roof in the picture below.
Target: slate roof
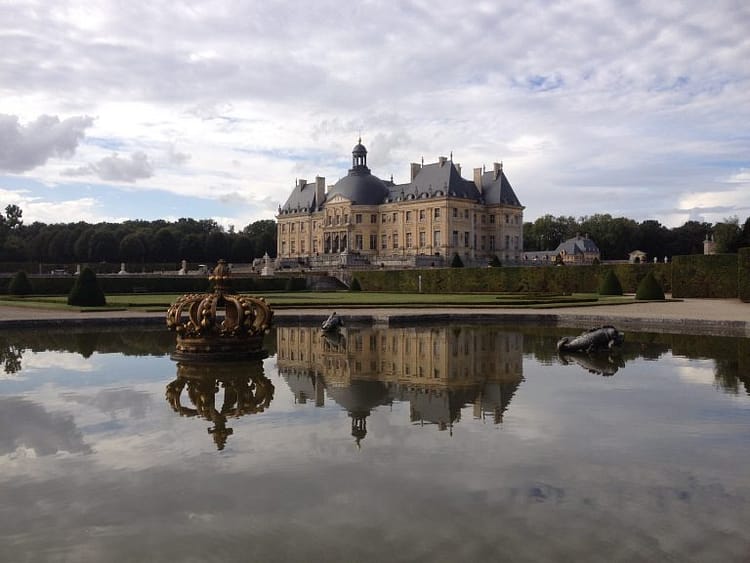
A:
(302, 198)
(361, 188)
(577, 245)
(498, 190)
(439, 179)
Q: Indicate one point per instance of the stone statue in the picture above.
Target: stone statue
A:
(267, 269)
(332, 323)
(602, 338)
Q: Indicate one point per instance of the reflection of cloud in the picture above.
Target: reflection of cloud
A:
(568, 509)
(697, 374)
(26, 426)
(38, 361)
(112, 400)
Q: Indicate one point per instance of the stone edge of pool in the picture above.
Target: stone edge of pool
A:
(712, 327)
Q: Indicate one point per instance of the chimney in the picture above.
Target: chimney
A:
(415, 168)
(497, 168)
(458, 167)
(442, 160)
(301, 183)
(320, 190)
(478, 178)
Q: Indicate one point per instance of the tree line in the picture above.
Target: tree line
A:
(204, 240)
(616, 237)
(135, 241)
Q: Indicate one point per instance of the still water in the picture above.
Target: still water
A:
(456, 443)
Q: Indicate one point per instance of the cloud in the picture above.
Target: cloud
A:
(176, 157)
(77, 171)
(37, 208)
(24, 147)
(117, 169)
(573, 97)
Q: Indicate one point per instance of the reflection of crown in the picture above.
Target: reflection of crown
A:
(203, 332)
(246, 391)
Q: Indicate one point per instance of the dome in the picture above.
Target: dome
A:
(360, 189)
(359, 149)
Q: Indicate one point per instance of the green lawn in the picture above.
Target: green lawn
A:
(347, 299)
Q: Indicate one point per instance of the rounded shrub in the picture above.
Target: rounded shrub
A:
(20, 284)
(610, 284)
(457, 262)
(86, 291)
(649, 289)
(355, 285)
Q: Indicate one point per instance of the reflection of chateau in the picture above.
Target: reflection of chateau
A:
(437, 371)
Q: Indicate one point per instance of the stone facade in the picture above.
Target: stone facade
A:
(365, 221)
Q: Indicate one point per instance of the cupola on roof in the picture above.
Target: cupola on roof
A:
(360, 186)
(359, 149)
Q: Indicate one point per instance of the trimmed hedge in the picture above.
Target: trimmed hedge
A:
(98, 267)
(699, 275)
(511, 278)
(20, 284)
(649, 289)
(743, 274)
(86, 291)
(610, 284)
(62, 285)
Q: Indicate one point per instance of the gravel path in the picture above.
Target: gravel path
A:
(698, 316)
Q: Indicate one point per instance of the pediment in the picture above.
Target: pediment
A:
(338, 198)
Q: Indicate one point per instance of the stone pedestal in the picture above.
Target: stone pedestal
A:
(267, 269)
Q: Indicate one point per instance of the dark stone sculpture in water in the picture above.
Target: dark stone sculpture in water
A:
(602, 338)
(332, 323)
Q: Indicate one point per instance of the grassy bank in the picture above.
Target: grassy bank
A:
(304, 299)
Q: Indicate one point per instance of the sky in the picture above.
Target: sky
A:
(212, 109)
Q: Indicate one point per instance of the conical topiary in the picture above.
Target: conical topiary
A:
(355, 285)
(495, 262)
(649, 289)
(86, 291)
(610, 284)
(20, 284)
(457, 262)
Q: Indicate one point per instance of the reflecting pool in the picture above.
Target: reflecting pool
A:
(455, 443)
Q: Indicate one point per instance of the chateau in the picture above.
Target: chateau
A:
(362, 220)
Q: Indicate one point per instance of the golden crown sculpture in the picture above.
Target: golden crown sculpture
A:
(219, 325)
